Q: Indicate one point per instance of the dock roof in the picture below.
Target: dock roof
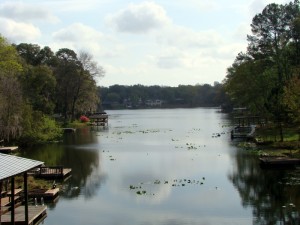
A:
(13, 165)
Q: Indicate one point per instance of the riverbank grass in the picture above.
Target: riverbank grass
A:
(268, 141)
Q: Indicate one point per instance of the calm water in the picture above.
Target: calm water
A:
(166, 167)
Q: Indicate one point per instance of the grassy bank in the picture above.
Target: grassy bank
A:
(268, 141)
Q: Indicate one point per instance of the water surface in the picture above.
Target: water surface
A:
(161, 167)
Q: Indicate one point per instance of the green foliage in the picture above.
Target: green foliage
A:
(38, 128)
(292, 98)
(39, 87)
(9, 60)
(260, 79)
(117, 96)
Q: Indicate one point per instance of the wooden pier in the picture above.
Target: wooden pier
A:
(8, 149)
(278, 162)
(69, 130)
(52, 172)
(46, 194)
(245, 132)
(36, 214)
(99, 119)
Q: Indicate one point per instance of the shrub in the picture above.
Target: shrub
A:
(84, 119)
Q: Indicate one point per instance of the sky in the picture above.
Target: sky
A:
(160, 42)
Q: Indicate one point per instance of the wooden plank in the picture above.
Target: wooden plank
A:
(35, 213)
(17, 191)
(7, 200)
(8, 149)
(69, 130)
(47, 194)
(278, 162)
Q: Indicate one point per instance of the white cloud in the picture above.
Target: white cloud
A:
(204, 5)
(242, 31)
(25, 12)
(74, 6)
(139, 18)
(79, 37)
(18, 31)
(186, 38)
(78, 32)
(258, 5)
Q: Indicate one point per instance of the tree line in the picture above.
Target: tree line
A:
(266, 78)
(37, 83)
(139, 96)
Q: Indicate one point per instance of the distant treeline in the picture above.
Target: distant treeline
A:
(139, 96)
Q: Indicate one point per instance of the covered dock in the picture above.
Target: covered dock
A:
(21, 213)
(99, 119)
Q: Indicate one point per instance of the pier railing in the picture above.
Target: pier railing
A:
(52, 170)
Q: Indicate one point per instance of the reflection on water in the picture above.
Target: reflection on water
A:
(160, 167)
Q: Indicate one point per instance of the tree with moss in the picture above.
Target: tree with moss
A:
(258, 77)
(11, 96)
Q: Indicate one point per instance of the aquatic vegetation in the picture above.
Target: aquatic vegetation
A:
(141, 192)
(147, 187)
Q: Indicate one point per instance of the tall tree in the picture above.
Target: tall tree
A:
(67, 73)
(268, 63)
(76, 86)
(39, 85)
(29, 52)
(11, 99)
(90, 65)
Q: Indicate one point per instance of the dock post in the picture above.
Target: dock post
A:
(26, 198)
(0, 201)
(12, 189)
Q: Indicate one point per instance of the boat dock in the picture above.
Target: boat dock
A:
(46, 194)
(36, 214)
(279, 162)
(69, 130)
(52, 172)
(99, 119)
(243, 132)
(8, 149)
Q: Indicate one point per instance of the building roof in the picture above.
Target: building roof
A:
(13, 165)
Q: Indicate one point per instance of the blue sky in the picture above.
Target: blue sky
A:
(162, 42)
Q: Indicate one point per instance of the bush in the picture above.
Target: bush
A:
(38, 128)
(84, 119)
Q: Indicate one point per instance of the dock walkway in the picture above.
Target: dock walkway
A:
(99, 119)
(52, 172)
(36, 214)
(243, 132)
(8, 149)
(46, 194)
(279, 162)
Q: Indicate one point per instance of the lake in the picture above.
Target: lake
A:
(166, 167)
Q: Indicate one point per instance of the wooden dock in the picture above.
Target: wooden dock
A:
(46, 194)
(36, 214)
(69, 130)
(8, 149)
(6, 201)
(52, 172)
(278, 162)
(99, 119)
(245, 132)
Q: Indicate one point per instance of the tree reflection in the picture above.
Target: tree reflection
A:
(78, 151)
(266, 191)
(86, 173)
